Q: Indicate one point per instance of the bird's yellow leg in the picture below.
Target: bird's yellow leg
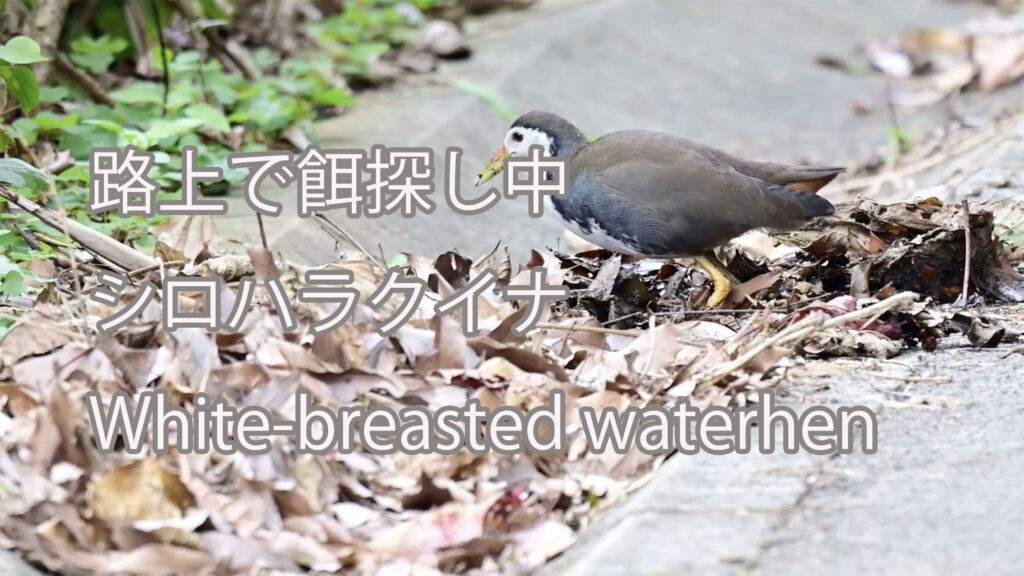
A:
(720, 279)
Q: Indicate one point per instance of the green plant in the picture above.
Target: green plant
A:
(899, 143)
(192, 99)
(19, 79)
(97, 54)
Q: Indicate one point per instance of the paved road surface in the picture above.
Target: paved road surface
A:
(736, 74)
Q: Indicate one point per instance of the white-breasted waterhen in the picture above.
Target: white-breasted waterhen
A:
(656, 195)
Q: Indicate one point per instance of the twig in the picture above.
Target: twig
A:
(44, 25)
(338, 233)
(163, 52)
(964, 296)
(712, 311)
(52, 241)
(62, 162)
(28, 235)
(263, 231)
(76, 280)
(894, 121)
(135, 19)
(92, 87)
(68, 260)
(588, 329)
(15, 13)
(931, 379)
(191, 12)
(16, 301)
(157, 266)
(29, 152)
(103, 246)
(67, 257)
(797, 332)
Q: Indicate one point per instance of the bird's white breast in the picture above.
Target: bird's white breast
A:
(597, 235)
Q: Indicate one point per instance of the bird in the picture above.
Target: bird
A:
(655, 195)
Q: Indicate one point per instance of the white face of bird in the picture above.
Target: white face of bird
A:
(518, 142)
(520, 139)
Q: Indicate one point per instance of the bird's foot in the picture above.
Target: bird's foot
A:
(720, 280)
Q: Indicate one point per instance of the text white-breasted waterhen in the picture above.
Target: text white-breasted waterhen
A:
(655, 195)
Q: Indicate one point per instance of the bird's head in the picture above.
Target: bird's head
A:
(552, 133)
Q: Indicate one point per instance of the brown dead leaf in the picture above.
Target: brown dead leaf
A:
(147, 559)
(283, 355)
(453, 268)
(230, 267)
(634, 342)
(262, 262)
(452, 351)
(1000, 60)
(848, 239)
(31, 338)
(141, 490)
(185, 237)
(450, 525)
(748, 289)
(980, 331)
(521, 357)
(601, 287)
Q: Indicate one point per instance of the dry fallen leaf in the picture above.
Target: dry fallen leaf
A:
(627, 336)
(185, 237)
(142, 490)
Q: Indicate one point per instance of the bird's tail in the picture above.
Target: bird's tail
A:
(811, 180)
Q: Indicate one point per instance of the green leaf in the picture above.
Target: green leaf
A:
(239, 116)
(106, 125)
(51, 122)
(97, 54)
(364, 51)
(21, 81)
(106, 44)
(161, 129)
(21, 50)
(12, 178)
(158, 61)
(95, 62)
(74, 174)
(24, 172)
(495, 102)
(210, 116)
(139, 93)
(5, 327)
(13, 284)
(183, 93)
(82, 138)
(8, 134)
(28, 128)
(53, 94)
(333, 97)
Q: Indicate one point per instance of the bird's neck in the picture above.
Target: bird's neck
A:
(568, 145)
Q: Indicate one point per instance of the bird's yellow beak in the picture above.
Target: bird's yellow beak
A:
(494, 166)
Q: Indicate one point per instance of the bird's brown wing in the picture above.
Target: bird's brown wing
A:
(679, 196)
(801, 178)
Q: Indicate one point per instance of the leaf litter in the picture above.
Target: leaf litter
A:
(932, 63)
(873, 280)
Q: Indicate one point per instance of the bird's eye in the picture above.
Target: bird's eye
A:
(517, 136)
